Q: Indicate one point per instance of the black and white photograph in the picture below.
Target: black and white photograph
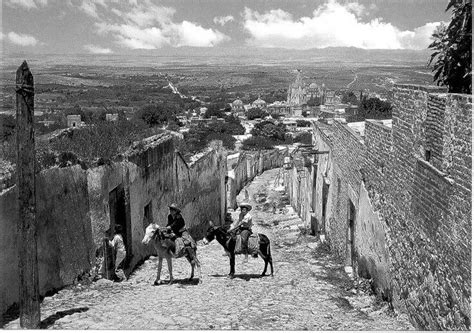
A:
(247, 165)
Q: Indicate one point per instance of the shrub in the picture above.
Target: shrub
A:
(103, 139)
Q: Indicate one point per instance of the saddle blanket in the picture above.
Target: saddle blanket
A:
(253, 244)
(181, 243)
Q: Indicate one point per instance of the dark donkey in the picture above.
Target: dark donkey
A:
(228, 242)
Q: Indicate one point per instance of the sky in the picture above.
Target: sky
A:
(124, 26)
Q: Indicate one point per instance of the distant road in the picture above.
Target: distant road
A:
(176, 91)
(353, 81)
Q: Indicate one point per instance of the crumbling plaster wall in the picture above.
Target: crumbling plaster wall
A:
(64, 236)
(73, 210)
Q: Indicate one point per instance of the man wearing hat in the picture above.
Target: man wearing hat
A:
(243, 226)
(178, 227)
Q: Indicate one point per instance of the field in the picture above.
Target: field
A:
(122, 80)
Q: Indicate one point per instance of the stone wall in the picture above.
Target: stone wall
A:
(409, 187)
(76, 207)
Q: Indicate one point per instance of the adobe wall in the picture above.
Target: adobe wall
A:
(64, 238)
(8, 248)
(411, 188)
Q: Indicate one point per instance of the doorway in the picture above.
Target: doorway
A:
(119, 215)
(350, 252)
(325, 203)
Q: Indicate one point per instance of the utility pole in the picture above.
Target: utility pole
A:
(25, 144)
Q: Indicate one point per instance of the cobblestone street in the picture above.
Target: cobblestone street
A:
(309, 291)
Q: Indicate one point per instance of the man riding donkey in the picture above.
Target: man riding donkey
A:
(243, 226)
(178, 231)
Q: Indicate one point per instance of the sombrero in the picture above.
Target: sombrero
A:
(175, 207)
(246, 205)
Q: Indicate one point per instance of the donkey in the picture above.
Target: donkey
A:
(165, 248)
(259, 242)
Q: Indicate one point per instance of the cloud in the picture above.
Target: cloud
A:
(190, 34)
(144, 17)
(27, 4)
(222, 20)
(331, 24)
(134, 37)
(144, 25)
(97, 49)
(22, 39)
(90, 7)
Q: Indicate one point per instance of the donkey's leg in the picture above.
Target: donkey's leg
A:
(170, 268)
(191, 259)
(198, 265)
(158, 272)
(266, 265)
(232, 265)
(270, 260)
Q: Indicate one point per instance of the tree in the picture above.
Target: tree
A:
(372, 108)
(314, 101)
(269, 129)
(452, 60)
(157, 114)
(254, 113)
(215, 109)
(349, 97)
(258, 143)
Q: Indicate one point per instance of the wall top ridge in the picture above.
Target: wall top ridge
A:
(378, 122)
(431, 167)
(353, 133)
(426, 88)
(148, 143)
(462, 97)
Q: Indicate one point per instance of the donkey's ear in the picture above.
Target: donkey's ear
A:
(211, 224)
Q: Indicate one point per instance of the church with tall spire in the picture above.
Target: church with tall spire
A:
(300, 93)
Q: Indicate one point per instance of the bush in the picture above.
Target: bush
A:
(103, 139)
(258, 143)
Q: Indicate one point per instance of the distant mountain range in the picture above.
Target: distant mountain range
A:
(230, 55)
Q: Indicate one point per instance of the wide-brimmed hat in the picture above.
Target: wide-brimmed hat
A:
(246, 205)
(175, 207)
